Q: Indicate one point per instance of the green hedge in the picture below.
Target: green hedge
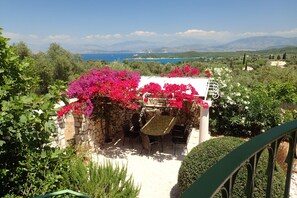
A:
(205, 155)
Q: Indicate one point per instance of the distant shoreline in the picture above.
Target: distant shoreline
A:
(120, 57)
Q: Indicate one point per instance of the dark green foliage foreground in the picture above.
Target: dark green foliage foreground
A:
(102, 180)
(205, 155)
(25, 124)
(28, 166)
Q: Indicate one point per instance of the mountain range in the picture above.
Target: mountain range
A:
(245, 44)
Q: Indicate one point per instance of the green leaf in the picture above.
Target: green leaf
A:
(43, 154)
(23, 119)
(27, 99)
(2, 142)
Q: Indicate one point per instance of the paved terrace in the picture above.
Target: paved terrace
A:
(155, 173)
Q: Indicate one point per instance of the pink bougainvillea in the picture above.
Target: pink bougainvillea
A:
(186, 71)
(121, 88)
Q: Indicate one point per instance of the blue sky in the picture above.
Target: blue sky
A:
(78, 23)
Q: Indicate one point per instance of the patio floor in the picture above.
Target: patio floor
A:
(155, 173)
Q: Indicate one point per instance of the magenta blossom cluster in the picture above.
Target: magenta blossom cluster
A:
(186, 71)
(121, 88)
(174, 93)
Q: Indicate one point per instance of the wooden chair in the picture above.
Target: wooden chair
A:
(135, 120)
(147, 143)
(128, 133)
(180, 141)
(180, 135)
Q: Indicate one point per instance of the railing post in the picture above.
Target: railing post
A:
(204, 123)
(289, 160)
(272, 150)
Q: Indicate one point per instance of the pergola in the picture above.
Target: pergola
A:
(204, 86)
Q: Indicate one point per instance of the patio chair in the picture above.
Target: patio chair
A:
(135, 122)
(180, 141)
(179, 130)
(147, 142)
(180, 135)
(128, 133)
(143, 119)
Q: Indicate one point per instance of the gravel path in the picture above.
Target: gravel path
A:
(293, 188)
(155, 173)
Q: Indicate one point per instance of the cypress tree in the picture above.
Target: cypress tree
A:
(244, 57)
(284, 56)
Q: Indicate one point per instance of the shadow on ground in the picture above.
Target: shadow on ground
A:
(175, 192)
(116, 149)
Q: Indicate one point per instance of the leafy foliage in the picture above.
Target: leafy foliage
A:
(42, 172)
(54, 65)
(22, 50)
(103, 180)
(25, 118)
(245, 110)
(206, 154)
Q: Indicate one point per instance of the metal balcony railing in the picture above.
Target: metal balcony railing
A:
(63, 193)
(220, 177)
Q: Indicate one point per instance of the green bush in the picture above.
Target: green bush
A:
(103, 180)
(42, 172)
(247, 111)
(26, 123)
(205, 155)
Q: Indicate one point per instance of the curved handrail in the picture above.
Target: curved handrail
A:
(221, 173)
(62, 192)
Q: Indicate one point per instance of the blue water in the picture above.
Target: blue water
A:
(119, 57)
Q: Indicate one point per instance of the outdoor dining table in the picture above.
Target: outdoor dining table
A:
(159, 125)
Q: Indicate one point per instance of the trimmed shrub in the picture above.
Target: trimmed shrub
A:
(205, 155)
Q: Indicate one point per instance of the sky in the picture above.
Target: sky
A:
(81, 24)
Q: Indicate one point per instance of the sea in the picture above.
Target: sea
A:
(119, 57)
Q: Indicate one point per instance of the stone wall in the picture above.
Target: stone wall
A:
(88, 133)
(80, 131)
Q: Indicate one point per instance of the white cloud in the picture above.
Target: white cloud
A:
(13, 36)
(292, 32)
(204, 34)
(101, 36)
(250, 34)
(59, 37)
(196, 32)
(34, 36)
(143, 33)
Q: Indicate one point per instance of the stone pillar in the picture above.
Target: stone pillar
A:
(69, 131)
(204, 133)
(77, 126)
(60, 124)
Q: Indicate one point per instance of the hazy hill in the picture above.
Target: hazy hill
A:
(258, 43)
(292, 50)
(246, 44)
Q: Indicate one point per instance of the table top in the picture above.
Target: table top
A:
(159, 125)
